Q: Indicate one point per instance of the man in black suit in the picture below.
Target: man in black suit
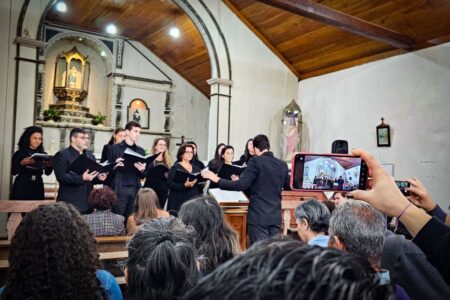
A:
(74, 188)
(126, 182)
(265, 176)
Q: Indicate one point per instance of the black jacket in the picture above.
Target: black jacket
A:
(178, 193)
(265, 176)
(120, 177)
(72, 188)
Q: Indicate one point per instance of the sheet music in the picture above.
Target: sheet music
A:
(227, 196)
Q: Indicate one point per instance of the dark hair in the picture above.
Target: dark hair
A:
(182, 150)
(331, 205)
(196, 148)
(288, 269)
(221, 160)
(161, 260)
(217, 156)
(261, 142)
(53, 256)
(112, 141)
(102, 199)
(132, 124)
(75, 131)
(316, 213)
(216, 240)
(247, 154)
(24, 141)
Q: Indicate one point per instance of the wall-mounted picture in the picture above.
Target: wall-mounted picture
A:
(138, 111)
(383, 135)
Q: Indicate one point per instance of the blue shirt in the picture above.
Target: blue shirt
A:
(321, 240)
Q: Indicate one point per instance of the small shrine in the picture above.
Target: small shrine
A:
(71, 85)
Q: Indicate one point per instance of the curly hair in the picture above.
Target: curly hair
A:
(102, 199)
(24, 141)
(53, 256)
(216, 241)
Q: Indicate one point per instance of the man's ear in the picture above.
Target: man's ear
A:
(335, 242)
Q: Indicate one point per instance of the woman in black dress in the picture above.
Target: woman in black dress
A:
(182, 192)
(195, 161)
(28, 184)
(214, 163)
(157, 171)
(249, 152)
(117, 137)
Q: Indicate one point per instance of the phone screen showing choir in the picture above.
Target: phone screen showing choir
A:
(334, 173)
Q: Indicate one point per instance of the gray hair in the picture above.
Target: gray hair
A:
(361, 228)
(316, 213)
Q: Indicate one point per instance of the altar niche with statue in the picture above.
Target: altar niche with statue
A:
(71, 85)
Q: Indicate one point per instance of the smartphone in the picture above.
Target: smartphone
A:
(328, 172)
(402, 185)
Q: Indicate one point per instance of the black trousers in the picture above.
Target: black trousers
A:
(259, 232)
(125, 200)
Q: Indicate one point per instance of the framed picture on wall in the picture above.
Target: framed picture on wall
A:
(138, 111)
(383, 135)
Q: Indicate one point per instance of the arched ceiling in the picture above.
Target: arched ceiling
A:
(146, 21)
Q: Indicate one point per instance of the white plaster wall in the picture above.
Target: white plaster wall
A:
(412, 93)
(99, 84)
(190, 108)
(262, 84)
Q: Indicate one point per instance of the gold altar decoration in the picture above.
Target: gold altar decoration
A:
(291, 130)
(70, 86)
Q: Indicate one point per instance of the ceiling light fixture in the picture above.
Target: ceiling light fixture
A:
(61, 7)
(174, 32)
(111, 29)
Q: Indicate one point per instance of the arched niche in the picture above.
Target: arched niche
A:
(138, 111)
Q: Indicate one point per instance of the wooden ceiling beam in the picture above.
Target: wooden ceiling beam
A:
(329, 16)
(261, 37)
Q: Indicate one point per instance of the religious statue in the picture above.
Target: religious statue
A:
(291, 130)
(74, 79)
(137, 116)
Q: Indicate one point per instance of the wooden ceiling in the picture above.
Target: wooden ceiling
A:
(311, 37)
(323, 36)
(146, 21)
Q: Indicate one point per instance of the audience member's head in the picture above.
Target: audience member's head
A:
(313, 219)
(357, 227)
(260, 143)
(217, 242)
(288, 269)
(146, 205)
(338, 198)
(162, 261)
(331, 205)
(53, 256)
(31, 138)
(102, 199)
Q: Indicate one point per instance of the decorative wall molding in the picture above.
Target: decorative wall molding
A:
(142, 83)
(220, 81)
(27, 42)
(119, 53)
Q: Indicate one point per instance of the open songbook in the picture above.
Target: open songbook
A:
(226, 171)
(83, 163)
(39, 160)
(227, 196)
(131, 157)
(181, 176)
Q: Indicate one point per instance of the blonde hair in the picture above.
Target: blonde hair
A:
(166, 155)
(147, 205)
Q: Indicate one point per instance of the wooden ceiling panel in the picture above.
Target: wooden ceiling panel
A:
(311, 48)
(146, 21)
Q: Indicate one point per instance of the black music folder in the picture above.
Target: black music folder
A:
(226, 171)
(131, 157)
(39, 160)
(181, 176)
(82, 163)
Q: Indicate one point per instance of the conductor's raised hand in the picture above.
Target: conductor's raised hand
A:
(140, 166)
(207, 174)
(384, 194)
(89, 176)
(190, 184)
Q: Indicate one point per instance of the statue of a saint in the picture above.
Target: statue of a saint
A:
(74, 78)
(137, 116)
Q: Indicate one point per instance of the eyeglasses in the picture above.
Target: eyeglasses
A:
(191, 152)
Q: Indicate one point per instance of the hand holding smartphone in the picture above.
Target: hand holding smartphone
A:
(403, 185)
(328, 172)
